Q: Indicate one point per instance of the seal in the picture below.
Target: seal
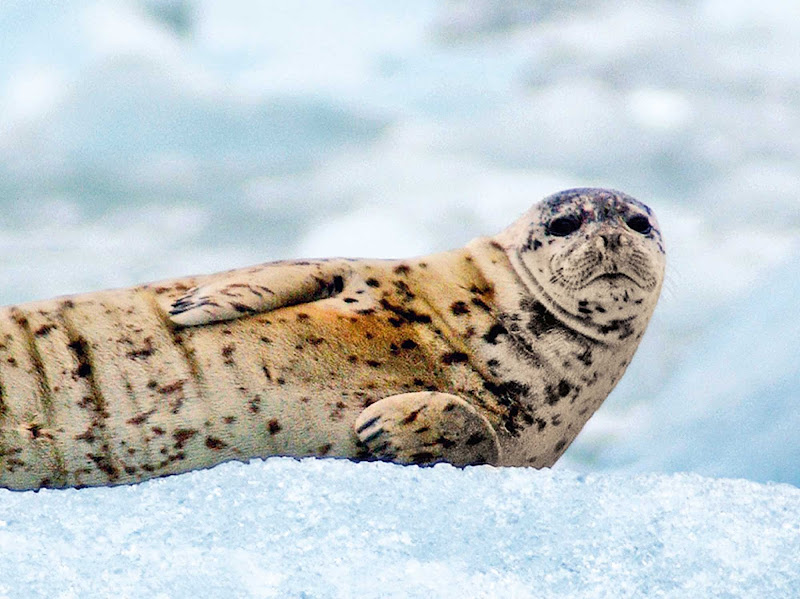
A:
(494, 353)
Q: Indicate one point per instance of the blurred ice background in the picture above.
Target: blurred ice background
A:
(145, 139)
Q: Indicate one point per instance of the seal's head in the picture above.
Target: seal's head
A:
(591, 255)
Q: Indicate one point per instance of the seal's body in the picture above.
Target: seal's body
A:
(494, 353)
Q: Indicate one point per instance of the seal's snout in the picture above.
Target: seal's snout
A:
(612, 240)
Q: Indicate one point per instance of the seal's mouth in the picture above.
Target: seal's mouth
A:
(614, 278)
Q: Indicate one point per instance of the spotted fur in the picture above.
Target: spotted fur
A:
(496, 353)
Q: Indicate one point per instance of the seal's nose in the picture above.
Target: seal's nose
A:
(611, 239)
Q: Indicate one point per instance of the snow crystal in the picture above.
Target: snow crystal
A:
(331, 528)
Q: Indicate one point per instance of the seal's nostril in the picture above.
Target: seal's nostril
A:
(611, 240)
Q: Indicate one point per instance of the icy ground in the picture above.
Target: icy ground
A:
(329, 528)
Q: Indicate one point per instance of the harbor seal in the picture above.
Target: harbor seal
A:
(494, 353)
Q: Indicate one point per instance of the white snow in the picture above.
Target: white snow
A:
(330, 528)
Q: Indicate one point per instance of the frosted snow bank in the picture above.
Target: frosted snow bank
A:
(327, 528)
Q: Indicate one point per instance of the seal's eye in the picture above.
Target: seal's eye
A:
(564, 225)
(640, 223)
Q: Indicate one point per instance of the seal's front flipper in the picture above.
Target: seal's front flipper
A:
(239, 293)
(427, 427)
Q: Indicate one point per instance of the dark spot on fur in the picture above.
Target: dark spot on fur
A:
(405, 316)
(35, 431)
(373, 363)
(373, 282)
(445, 442)
(412, 416)
(475, 439)
(585, 357)
(540, 424)
(402, 269)
(274, 427)
(242, 308)
(255, 405)
(455, 358)
(422, 457)
(350, 300)
(44, 330)
(302, 316)
(367, 424)
(143, 352)
(88, 435)
(551, 397)
(476, 301)
(84, 369)
(267, 373)
(418, 382)
(81, 350)
(140, 419)
(459, 308)
(405, 290)
(508, 392)
(560, 445)
(104, 464)
(324, 449)
(227, 352)
(215, 444)
(493, 333)
(409, 344)
(172, 387)
(338, 284)
(182, 435)
(542, 320)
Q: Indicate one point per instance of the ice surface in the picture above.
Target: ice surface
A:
(329, 528)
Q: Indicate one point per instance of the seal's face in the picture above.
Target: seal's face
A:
(593, 253)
